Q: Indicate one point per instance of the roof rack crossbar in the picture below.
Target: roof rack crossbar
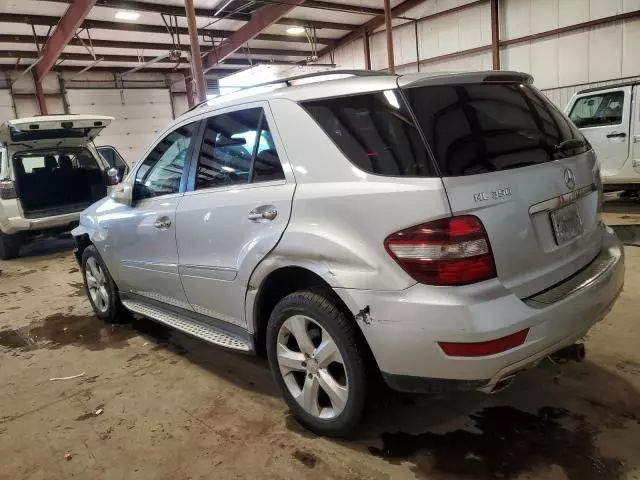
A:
(287, 81)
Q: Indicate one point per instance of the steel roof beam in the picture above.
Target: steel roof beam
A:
(28, 39)
(135, 27)
(85, 57)
(65, 30)
(262, 19)
(241, 16)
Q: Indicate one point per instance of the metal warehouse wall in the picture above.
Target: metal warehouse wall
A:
(560, 63)
(142, 106)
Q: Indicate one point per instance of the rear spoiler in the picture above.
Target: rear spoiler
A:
(492, 76)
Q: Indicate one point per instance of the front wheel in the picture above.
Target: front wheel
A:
(317, 361)
(100, 287)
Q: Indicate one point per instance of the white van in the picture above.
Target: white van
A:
(605, 116)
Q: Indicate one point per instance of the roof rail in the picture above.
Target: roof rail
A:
(287, 81)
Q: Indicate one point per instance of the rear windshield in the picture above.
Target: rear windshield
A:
(479, 128)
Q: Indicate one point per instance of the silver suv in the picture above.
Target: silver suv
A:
(441, 230)
(50, 171)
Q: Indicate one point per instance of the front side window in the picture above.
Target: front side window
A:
(375, 131)
(598, 110)
(161, 172)
(237, 149)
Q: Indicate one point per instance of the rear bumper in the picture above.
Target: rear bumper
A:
(403, 328)
(20, 224)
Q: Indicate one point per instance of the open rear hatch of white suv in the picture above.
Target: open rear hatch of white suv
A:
(53, 170)
(509, 157)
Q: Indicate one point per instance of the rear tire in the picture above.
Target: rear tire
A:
(9, 246)
(100, 287)
(318, 363)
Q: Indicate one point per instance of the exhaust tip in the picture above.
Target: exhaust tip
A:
(503, 384)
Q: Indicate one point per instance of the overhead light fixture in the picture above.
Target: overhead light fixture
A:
(127, 15)
(295, 30)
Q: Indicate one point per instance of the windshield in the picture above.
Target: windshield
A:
(479, 128)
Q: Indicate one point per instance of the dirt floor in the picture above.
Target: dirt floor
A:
(154, 404)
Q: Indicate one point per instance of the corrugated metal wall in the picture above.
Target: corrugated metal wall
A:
(561, 64)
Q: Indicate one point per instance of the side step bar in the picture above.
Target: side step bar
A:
(189, 326)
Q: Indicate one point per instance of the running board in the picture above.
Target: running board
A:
(201, 330)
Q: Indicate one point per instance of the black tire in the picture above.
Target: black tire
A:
(324, 310)
(9, 246)
(115, 311)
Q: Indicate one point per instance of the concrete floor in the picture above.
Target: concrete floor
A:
(172, 407)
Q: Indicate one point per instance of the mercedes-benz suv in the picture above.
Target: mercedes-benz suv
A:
(441, 230)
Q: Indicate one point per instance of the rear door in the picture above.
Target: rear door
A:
(237, 210)
(509, 157)
(603, 117)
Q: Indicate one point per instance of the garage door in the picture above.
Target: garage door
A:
(6, 110)
(140, 115)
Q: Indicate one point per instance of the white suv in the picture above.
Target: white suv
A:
(441, 230)
(50, 171)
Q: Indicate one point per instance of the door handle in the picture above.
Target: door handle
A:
(616, 134)
(163, 223)
(267, 212)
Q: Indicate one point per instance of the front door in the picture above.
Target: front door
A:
(144, 235)
(236, 211)
(603, 117)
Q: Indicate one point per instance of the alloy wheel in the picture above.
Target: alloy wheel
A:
(97, 285)
(312, 367)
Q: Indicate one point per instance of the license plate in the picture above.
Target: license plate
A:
(567, 223)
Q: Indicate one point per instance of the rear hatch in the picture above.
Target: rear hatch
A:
(508, 156)
(58, 130)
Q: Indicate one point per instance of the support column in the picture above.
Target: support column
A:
(189, 91)
(367, 51)
(42, 102)
(389, 32)
(495, 34)
(196, 58)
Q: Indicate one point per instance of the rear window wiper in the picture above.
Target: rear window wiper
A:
(570, 144)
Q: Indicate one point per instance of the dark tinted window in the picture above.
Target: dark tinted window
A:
(266, 166)
(161, 172)
(598, 110)
(375, 131)
(490, 127)
(227, 149)
(230, 144)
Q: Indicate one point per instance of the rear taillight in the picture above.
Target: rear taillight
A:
(7, 190)
(450, 251)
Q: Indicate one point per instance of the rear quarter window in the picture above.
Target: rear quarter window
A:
(375, 131)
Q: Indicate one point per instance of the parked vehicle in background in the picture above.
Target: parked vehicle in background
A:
(49, 172)
(114, 159)
(605, 116)
(443, 231)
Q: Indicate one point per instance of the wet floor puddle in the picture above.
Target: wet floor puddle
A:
(59, 330)
(628, 234)
(505, 443)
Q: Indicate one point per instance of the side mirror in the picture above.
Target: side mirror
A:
(123, 193)
(113, 177)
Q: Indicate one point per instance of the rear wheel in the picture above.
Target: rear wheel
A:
(315, 357)
(100, 287)
(9, 246)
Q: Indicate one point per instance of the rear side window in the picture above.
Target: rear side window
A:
(598, 110)
(375, 131)
(480, 128)
(237, 148)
